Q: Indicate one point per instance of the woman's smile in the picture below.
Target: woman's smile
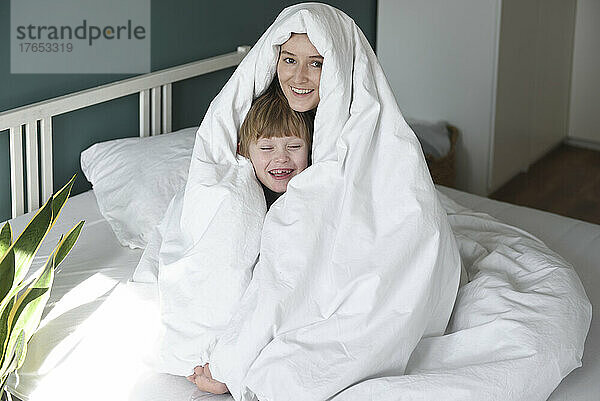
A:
(299, 91)
(299, 72)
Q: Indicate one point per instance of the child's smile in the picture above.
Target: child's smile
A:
(277, 160)
(281, 174)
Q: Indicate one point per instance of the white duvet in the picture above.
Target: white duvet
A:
(357, 260)
(357, 268)
(518, 326)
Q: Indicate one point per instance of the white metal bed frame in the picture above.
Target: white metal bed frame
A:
(154, 115)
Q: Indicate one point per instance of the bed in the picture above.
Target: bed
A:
(94, 302)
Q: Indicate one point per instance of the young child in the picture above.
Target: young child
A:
(277, 140)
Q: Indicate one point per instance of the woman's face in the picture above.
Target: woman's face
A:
(299, 72)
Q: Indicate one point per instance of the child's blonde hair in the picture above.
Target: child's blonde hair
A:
(271, 116)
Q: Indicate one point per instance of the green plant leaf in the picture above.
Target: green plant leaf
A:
(22, 303)
(22, 354)
(5, 238)
(67, 243)
(26, 313)
(60, 198)
(2, 384)
(19, 352)
(7, 276)
(28, 243)
(4, 373)
(12, 357)
(7, 269)
(4, 332)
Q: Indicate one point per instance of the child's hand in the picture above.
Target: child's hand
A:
(203, 379)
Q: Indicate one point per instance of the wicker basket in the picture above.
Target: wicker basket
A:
(442, 170)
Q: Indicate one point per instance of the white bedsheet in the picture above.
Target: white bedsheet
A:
(91, 296)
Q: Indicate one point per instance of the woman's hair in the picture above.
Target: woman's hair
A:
(271, 116)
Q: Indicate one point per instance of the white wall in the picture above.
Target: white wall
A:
(584, 114)
(556, 28)
(440, 59)
(534, 74)
(516, 84)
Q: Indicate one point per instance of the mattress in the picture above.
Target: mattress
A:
(93, 303)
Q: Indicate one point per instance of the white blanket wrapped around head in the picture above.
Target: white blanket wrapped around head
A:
(357, 260)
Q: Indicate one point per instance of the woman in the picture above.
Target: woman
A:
(357, 260)
(299, 75)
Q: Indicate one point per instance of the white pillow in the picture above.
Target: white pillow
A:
(134, 180)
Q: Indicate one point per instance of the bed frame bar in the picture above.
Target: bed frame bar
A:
(36, 119)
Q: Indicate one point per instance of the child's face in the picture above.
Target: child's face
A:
(277, 160)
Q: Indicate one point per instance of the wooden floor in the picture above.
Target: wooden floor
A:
(565, 182)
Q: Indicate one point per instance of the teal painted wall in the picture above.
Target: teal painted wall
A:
(182, 31)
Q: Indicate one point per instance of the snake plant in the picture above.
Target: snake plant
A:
(24, 298)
